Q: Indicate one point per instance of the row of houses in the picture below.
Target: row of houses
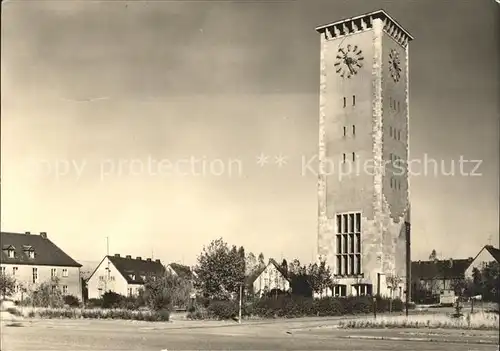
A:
(33, 258)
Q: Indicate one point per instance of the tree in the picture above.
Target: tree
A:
(7, 285)
(220, 270)
(433, 256)
(48, 294)
(284, 266)
(250, 263)
(261, 260)
(166, 291)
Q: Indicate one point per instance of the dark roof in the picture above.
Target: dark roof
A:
(133, 269)
(250, 279)
(182, 271)
(439, 269)
(46, 252)
(494, 252)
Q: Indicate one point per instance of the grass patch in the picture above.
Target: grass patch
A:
(478, 321)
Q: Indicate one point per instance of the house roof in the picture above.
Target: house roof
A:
(46, 252)
(133, 269)
(252, 277)
(182, 271)
(494, 252)
(440, 269)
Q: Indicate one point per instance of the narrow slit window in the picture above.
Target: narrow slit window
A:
(354, 156)
(390, 132)
(399, 135)
(345, 131)
(343, 158)
(353, 130)
(344, 102)
(354, 100)
(398, 107)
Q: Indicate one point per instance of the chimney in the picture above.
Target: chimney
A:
(43, 235)
(128, 256)
(157, 261)
(148, 259)
(138, 258)
(117, 255)
(27, 233)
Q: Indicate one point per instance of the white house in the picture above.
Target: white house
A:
(34, 259)
(270, 277)
(122, 275)
(487, 254)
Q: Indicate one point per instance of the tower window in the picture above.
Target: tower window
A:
(344, 131)
(398, 106)
(353, 130)
(390, 132)
(399, 135)
(343, 158)
(354, 100)
(353, 156)
(344, 102)
(348, 248)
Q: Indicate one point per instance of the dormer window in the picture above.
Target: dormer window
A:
(143, 277)
(9, 250)
(29, 251)
(132, 276)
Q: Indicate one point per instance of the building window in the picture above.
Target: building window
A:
(348, 241)
(35, 275)
(344, 131)
(2, 270)
(14, 270)
(30, 254)
(53, 273)
(398, 107)
(65, 272)
(390, 132)
(353, 130)
(354, 100)
(11, 253)
(399, 135)
(345, 102)
(65, 289)
(363, 289)
(343, 158)
(129, 291)
(353, 157)
(99, 292)
(340, 290)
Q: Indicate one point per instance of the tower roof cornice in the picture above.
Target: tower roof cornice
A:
(365, 22)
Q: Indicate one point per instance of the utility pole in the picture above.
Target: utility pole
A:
(408, 266)
(239, 312)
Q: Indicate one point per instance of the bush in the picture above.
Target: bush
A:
(223, 309)
(112, 300)
(71, 301)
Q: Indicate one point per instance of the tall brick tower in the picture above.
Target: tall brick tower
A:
(363, 205)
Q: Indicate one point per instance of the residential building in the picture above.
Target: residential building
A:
(363, 183)
(122, 275)
(273, 276)
(181, 271)
(34, 259)
(438, 277)
(487, 255)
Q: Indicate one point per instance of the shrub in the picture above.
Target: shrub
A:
(94, 303)
(223, 309)
(47, 294)
(71, 301)
(111, 299)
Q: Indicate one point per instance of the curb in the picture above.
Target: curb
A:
(478, 342)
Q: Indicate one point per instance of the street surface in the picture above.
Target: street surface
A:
(303, 334)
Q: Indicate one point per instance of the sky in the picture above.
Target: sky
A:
(99, 99)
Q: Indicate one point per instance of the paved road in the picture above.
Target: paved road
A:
(283, 335)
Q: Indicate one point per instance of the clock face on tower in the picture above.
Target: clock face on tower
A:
(395, 65)
(349, 60)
